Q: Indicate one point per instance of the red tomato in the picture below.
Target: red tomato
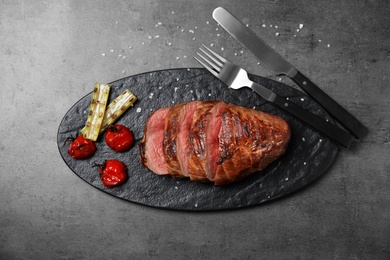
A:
(81, 148)
(112, 173)
(119, 138)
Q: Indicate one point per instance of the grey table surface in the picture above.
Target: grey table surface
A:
(51, 54)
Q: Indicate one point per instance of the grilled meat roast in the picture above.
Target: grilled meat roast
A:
(212, 141)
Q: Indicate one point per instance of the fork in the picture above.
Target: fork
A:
(236, 78)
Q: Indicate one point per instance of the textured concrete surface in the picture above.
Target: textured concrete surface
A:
(51, 54)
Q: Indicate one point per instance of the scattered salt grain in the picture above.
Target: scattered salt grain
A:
(196, 205)
(169, 43)
(177, 58)
(286, 179)
(328, 45)
(151, 95)
(297, 30)
(111, 50)
(138, 110)
(303, 139)
(157, 36)
(149, 37)
(130, 47)
(209, 94)
(300, 26)
(276, 27)
(302, 99)
(191, 31)
(123, 72)
(103, 54)
(277, 34)
(222, 48)
(211, 44)
(173, 12)
(304, 163)
(264, 25)
(176, 187)
(207, 22)
(247, 25)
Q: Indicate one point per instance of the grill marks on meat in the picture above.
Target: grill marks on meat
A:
(212, 141)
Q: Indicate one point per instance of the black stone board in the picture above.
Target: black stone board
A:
(308, 156)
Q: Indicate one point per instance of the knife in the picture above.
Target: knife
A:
(277, 64)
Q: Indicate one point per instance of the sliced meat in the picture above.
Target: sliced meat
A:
(151, 150)
(212, 141)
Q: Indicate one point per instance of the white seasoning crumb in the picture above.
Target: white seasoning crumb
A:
(287, 98)
(212, 44)
(320, 140)
(138, 110)
(207, 22)
(247, 25)
(159, 23)
(177, 79)
(264, 25)
(216, 29)
(149, 37)
(209, 94)
(116, 22)
(270, 25)
(241, 51)
(191, 31)
(276, 27)
(235, 54)
(196, 205)
(159, 87)
(304, 163)
(297, 30)
(177, 58)
(258, 63)
(151, 95)
(254, 107)
(280, 79)
(295, 35)
(124, 57)
(176, 187)
(302, 99)
(191, 91)
(103, 54)
(222, 48)
(188, 69)
(173, 12)
(303, 139)
(196, 27)
(185, 56)
(173, 102)
(111, 50)
(120, 55)
(194, 39)
(169, 43)
(328, 45)
(300, 26)
(143, 43)
(319, 40)
(277, 34)
(218, 34)
(157, 36)
(286, 179)
(123, 72)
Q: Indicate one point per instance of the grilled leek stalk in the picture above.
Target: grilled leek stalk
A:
(117, 107)
(96, 112)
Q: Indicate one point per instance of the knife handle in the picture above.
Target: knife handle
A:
(338, 112)
(328, 129)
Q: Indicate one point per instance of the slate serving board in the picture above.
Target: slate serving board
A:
(308, 156)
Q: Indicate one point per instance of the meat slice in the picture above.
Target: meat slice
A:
(196, 151)
(151, 144)
(171, 130)
(249, 140)
(212, 141)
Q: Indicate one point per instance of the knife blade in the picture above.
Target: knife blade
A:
(280, 66)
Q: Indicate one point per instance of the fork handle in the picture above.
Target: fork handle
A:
(338, 112)
(335, 133)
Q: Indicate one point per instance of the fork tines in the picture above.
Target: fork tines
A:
(213, 62)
